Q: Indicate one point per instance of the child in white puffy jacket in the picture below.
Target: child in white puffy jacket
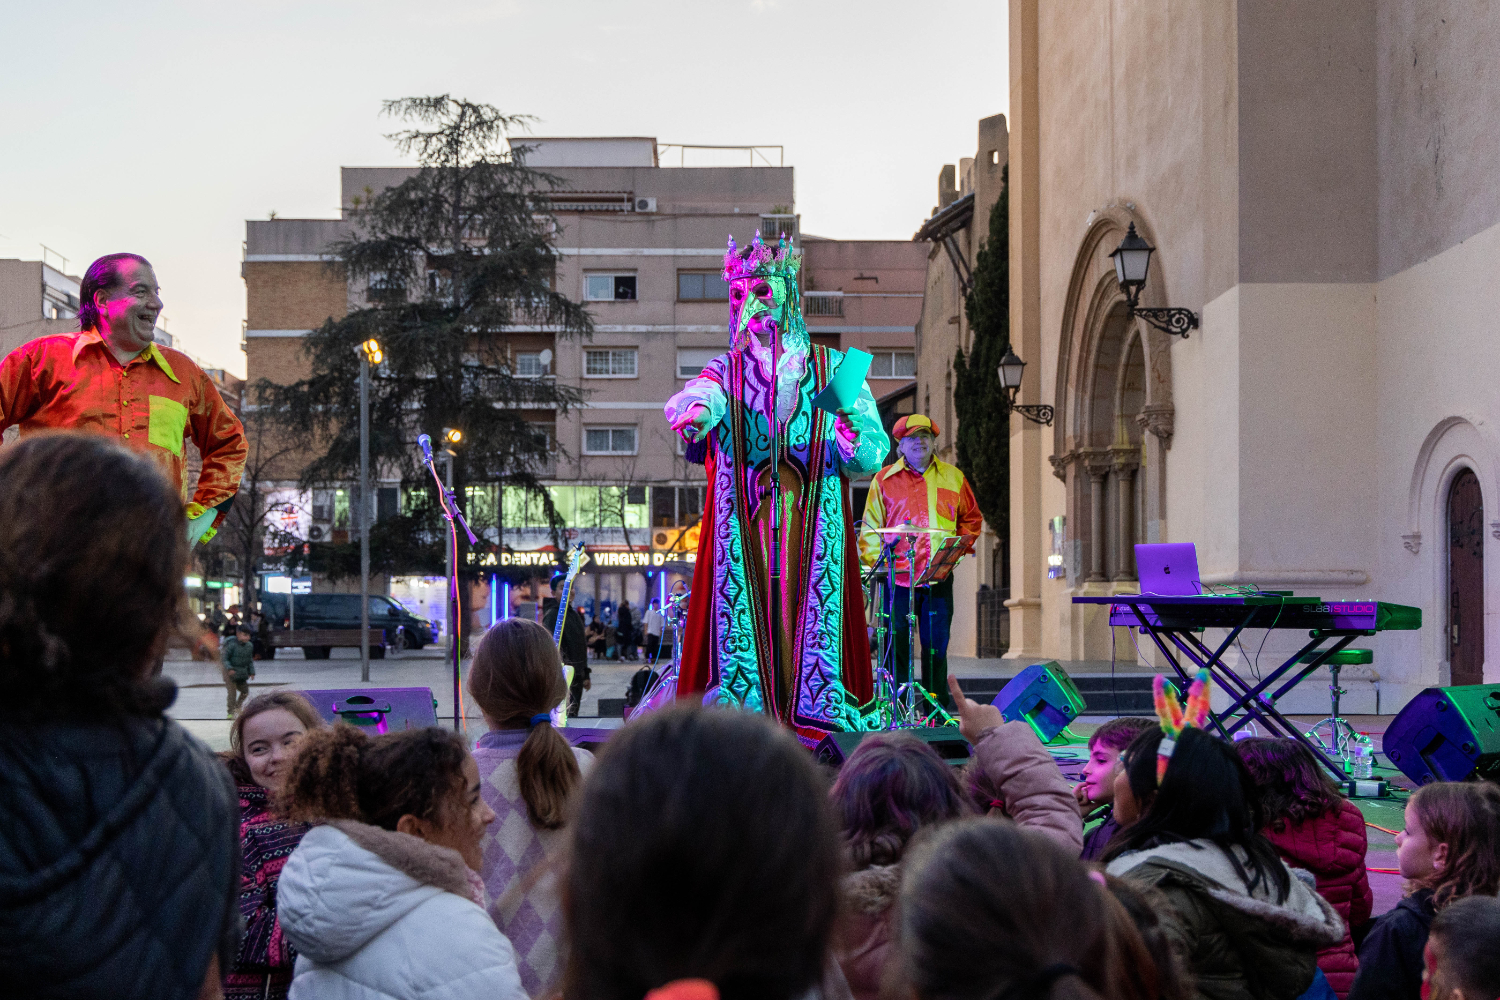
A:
(381, 899)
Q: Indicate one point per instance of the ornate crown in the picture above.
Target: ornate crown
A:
(760, 259)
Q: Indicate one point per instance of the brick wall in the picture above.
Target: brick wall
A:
(293, 296)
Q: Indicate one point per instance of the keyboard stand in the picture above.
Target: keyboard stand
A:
(1251, 700)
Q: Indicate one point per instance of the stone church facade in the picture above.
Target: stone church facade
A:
(1321, 179)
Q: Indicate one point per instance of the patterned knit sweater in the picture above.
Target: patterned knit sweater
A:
(263, 968)
(520, 865)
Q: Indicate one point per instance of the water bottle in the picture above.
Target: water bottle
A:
(1364, 762)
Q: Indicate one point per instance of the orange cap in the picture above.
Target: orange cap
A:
(914, 422)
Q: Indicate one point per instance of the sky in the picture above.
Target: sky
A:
(160, 127)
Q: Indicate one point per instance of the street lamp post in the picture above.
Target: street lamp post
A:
(1011, 370)
(369, 354)
(1132, 264)
(451, 437)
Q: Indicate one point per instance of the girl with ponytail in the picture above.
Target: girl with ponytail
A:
(528, 772)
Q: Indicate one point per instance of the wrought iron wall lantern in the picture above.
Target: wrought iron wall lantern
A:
(1132, 264)
(1011, 370)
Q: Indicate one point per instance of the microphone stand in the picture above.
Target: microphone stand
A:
(455, 519)
(774, 620)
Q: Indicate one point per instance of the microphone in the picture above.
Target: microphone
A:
(424, 442)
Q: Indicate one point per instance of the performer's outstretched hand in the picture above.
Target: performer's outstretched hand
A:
(847, 425)
(973, 718)
(692, 424)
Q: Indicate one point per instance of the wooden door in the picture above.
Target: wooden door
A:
(1466, 579)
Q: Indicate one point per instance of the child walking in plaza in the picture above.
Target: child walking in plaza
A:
(263, 743)
(1312, 826)
(238, 657)
(527, 775)
(1449, 850)
(1096, 792)
(382, 898)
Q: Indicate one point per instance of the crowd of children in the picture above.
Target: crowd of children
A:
(703, 856)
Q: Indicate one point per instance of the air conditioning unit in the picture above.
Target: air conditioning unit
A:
(315, 533)
(645, 204)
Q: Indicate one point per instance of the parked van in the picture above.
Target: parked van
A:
(341, 611)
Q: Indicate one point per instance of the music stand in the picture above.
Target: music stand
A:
(946, 556)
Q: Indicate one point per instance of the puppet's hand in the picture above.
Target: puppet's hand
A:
(847, 426)
(693, 423)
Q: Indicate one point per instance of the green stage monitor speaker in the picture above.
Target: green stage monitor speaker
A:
(1044, 696)
(1447, 734)
(835, 748)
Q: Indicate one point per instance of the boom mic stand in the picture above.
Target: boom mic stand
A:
(455, 519)
(774, 619)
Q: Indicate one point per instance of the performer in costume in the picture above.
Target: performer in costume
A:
(925, 492)
(724, 414)
(110, 378)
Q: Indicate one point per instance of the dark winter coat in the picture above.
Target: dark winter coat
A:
(1390, 958)
(1238, 943)
(238, 658)
(263, 967)
(1333, 847)
(119, 863)
(1097, 839)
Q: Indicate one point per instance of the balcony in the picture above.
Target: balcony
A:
(823, 304)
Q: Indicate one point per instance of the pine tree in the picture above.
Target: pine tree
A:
(983, 444)
(448, 261)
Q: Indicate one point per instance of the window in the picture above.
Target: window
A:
(676, 506)
(609, 440)
(893, 364)
(693, 286)
(994, 157)
(440, 286)
(387, 502)
(385, 287)
(529, 364)
(609, 287)
(614, 362)
(692, 360)
(823, 304)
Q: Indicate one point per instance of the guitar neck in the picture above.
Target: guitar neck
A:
(562, 612)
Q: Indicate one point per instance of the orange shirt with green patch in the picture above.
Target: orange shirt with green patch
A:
(154, 405)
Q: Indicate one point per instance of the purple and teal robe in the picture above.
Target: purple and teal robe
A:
(825, 663)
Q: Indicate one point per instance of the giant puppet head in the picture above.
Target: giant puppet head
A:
(764, 297)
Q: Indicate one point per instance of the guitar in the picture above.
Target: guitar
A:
(577, 559)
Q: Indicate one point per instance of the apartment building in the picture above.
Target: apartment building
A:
(642, 245)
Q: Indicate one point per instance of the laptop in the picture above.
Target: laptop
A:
(1168, 569)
